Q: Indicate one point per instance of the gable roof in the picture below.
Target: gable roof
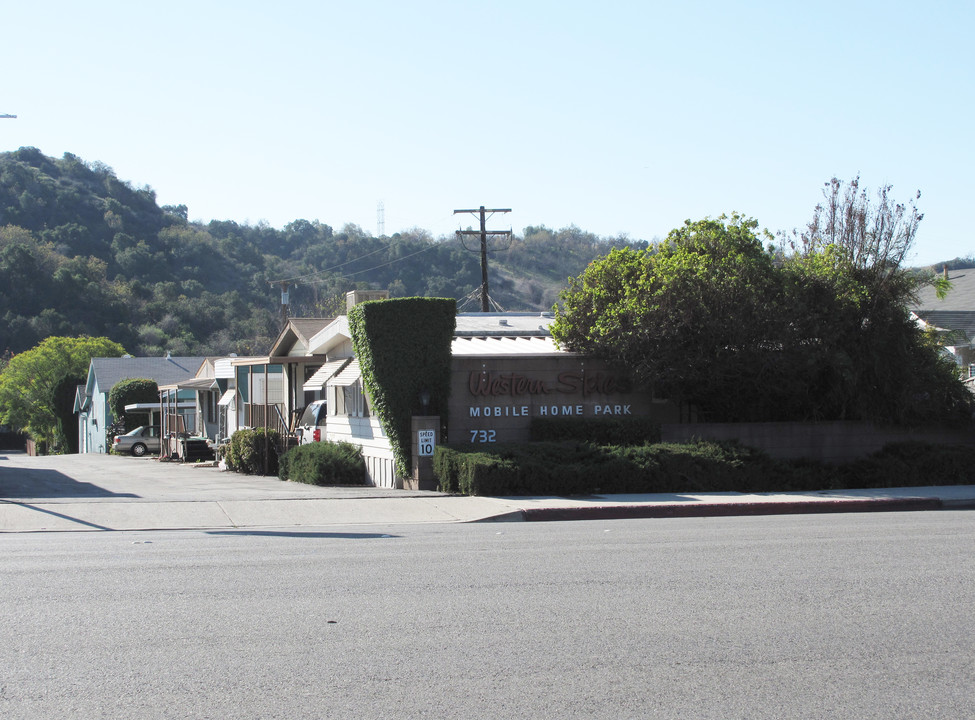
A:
(294, 337)
(81, 399)
(165, 371)
(956, 311)
(961, 297)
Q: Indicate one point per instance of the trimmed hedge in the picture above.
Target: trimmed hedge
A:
(127, 392)
(247, 449)
(580, 469)
(324, 463)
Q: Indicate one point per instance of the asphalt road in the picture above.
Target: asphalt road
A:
(843, 616)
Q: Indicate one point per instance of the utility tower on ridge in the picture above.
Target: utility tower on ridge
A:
(483, 233)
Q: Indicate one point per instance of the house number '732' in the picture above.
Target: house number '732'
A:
(484, 436)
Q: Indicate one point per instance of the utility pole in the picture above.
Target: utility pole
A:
(483, 233)
(284, 300)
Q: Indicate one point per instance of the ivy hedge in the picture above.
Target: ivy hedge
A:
(403, 347)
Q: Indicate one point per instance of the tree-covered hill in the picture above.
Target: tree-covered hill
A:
(83, 252)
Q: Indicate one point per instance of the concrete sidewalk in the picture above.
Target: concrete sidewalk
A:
(103, 492)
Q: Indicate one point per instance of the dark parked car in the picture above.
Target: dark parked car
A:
(142, 440)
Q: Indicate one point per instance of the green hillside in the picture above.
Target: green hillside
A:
(83, 252)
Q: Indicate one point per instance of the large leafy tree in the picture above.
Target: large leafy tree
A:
(692, 316)
(819, 331)
(861, 353)
(34, 384)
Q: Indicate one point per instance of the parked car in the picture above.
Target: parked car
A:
(144, 439)
(311, 427)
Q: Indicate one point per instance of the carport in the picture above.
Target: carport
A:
(183, 409)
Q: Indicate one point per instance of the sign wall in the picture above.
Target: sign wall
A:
(494, 399)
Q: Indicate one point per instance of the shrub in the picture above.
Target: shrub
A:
(911, 463)
(580, 468)
(324, 463)
(485, 474)
(247, 450)
(446, 466)
(546, 468)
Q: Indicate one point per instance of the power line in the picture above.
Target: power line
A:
(333, 267)
(429, 247)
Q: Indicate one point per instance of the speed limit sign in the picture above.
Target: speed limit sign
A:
(426, 440)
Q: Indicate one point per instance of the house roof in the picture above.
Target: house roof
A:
(955, 320)
(956, 311)
(503, 324)
(333, 334)
(293, 338)
(81, 399)
(961, 297)
(164, 370)
(503, 346)
(470, 325)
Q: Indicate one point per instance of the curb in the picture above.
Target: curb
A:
(799, 507)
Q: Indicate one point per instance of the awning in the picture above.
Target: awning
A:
(154, 407)
(197, 384)
(348, 376)
(324, 374)
(227, 398)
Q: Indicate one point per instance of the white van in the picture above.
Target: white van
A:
(311, 427)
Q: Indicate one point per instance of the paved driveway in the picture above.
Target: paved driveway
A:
(108, 492)
(95, 477)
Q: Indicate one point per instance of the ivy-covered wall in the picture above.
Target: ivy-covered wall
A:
(403, 347)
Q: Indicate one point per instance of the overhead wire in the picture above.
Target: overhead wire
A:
(376, 267)
(305, 277)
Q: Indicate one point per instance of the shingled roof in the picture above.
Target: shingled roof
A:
(956, 311)
(164, 370)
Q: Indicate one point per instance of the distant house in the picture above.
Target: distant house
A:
(953, 316)
(268, 390)
(91, 400)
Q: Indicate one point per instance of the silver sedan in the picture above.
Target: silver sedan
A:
(142, 440)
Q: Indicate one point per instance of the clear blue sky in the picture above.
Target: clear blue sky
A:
(615, 117)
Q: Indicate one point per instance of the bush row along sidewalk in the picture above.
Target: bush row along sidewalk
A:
(551, 468)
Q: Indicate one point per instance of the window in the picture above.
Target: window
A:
(350, 400)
